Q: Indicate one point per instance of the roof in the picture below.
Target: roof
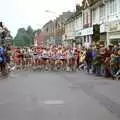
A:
(88, 3)
(61, 18)
(74, 16)
(47, 23)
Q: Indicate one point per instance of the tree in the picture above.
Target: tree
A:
(37, 31)
(19, 40)
(30, 33)
(25, 37)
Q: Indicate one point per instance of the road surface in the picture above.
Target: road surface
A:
(58, 96)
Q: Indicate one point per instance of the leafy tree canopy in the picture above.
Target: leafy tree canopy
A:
(25, 37)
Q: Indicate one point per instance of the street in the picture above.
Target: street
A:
(58, 96)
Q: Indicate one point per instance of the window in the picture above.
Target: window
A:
(88, 39)
(80, 21)
(77, 22)
(85, 16)
(94, 15)
(112, 6)
(84, 38)
(102, 11)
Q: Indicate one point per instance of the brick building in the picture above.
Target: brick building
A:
(39, 39)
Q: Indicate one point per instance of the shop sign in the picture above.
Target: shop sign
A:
(114, 27)
(87, 31)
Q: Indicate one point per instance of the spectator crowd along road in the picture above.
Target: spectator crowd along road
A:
(97, 59)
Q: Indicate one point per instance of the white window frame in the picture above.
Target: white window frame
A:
(112, 7)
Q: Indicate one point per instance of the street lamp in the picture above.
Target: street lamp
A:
(48, 11)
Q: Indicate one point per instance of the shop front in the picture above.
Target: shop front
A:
(87, 36)
(78, 37)
(114, 33)
(68, 42)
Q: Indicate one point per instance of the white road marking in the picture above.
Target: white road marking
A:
(53, 102)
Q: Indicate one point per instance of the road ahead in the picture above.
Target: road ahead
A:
(59, 96)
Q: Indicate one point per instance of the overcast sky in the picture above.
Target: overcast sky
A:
(21, 13)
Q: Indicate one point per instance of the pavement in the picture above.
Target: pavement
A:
(58, 96)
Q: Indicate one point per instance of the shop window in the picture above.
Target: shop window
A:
(88, 40)
(84, 38)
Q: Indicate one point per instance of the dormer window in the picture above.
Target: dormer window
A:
(85, 4)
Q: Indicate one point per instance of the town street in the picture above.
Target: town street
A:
(58, 96)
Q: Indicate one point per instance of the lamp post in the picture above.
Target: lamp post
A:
(48, 11)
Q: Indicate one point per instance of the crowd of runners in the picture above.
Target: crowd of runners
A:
(96, 59)
(53, 58)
